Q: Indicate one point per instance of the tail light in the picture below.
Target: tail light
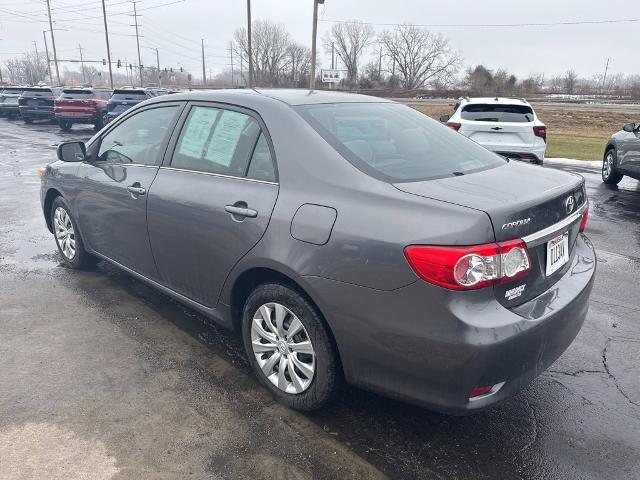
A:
(540, 131)
(470, 267)
(583, 222)
(454, 125)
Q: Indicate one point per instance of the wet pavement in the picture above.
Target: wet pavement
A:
(104, 376)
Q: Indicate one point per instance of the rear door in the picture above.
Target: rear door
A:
(212, 203)
(112, 202)
(499, 127)
(628, 145)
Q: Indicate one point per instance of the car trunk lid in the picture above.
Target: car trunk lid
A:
(521, 200)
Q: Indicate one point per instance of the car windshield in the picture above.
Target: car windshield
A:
(396, 143)
(137, 95)
(77, 94)
(480, 112)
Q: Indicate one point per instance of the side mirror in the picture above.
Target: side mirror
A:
(444, 118)
(72, 152)
(629, 127)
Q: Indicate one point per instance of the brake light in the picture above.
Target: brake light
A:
(540, 131)
(583, 222)
(454, 125)
(469, 267)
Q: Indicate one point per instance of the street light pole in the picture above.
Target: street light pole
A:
(53, 43)
(158, 66)
(204, 75)
(249, 43)
(135, 16)
(46, 49)
(312, 80)
(106, 34)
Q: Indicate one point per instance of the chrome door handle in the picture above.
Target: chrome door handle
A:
(136, 190)
(240, 211)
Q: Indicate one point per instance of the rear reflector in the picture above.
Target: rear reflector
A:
(455, 125)
(583, 222)
(480, 392)
(469, 267)
(540, 131)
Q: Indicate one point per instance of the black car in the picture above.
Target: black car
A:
(36, 103)
(9, 101)
(125, 98)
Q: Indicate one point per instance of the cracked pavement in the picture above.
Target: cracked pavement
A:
(98, 363)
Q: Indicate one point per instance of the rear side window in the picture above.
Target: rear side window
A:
(138, 138)
(497, 113)
(395, 143)
(261, 166)
(215, 140)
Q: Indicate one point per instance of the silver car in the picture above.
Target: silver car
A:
(344, 237)
(622, 155)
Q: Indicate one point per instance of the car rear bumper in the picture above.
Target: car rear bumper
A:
(432, 347)
(31, 112)
(534, 154)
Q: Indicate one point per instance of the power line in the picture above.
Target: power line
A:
(489, 25)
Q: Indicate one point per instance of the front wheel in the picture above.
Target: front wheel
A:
(68, 237)
(610, 175)
(289, 347)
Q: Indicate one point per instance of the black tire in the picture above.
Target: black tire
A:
(81, 258)
(610, 175)
(27, 120)
(65, 125)
(100, 122)
(327, 376)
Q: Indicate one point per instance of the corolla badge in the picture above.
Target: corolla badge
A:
(569, 204)
(517, 223)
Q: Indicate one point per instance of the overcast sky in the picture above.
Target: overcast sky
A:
(177, 29)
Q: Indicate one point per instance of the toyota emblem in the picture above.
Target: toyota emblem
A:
(569, 204)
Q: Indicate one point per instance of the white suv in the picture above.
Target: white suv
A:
(507, 126)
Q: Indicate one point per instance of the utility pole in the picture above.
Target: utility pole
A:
(46, 49)
(53, 43)
(35, 44)
(204, 75)
(604, 79)
(231, 54)
(135, 17)
(158, 67)
(380, 66)
(314, 34)
(106, 35)
(333, 55)
(242, 81)
(84, 77)
(249, 43)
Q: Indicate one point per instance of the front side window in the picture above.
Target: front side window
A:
(218, 141)
(138, 138)
(396, 143)
(479, 112)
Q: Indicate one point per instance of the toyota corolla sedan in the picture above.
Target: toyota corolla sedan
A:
(345, 237)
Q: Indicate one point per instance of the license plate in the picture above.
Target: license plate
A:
(557, 253)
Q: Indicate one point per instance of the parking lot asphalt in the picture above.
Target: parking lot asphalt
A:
(103, 377)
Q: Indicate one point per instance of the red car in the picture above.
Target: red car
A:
(82, 105)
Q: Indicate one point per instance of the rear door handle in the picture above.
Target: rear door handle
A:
(241, 211)
(136, 190)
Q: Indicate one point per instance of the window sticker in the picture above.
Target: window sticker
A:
(199, 129)
(225, 137)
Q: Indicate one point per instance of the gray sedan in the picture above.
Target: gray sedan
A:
(622, 155)
(344, 237)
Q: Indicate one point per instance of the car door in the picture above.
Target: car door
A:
(212, 203)
(112, 201)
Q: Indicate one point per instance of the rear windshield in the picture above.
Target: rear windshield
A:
(395, 143)
(497, 113)
(76, 94)
(129, 95)
(12, 91)
(37, 92)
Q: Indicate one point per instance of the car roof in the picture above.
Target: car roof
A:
(494, 100)
(290, 96)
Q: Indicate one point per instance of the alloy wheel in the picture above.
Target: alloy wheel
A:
(607, 166)
(282, 348)
(65, 235)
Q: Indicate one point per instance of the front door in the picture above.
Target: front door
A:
(112, 204)
(629, 152)
(213, 203)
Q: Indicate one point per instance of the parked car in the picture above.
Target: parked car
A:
(9, 107)
(36, 103)
(125, 98)
(622, 155)
(82, 105)
(507, 126)
(343, 236)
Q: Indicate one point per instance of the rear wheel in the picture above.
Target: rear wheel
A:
(68, 237)
(610, 175)
(100, 122)
(289, 347)
(27, 120)
(65, 125)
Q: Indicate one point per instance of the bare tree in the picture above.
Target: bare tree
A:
(269, 48)
(570, 81)
(299, 59)
(419, 55)
(350, 40)
(30, 68)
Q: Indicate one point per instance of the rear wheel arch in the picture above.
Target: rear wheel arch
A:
(51, 195)
(253, 277)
